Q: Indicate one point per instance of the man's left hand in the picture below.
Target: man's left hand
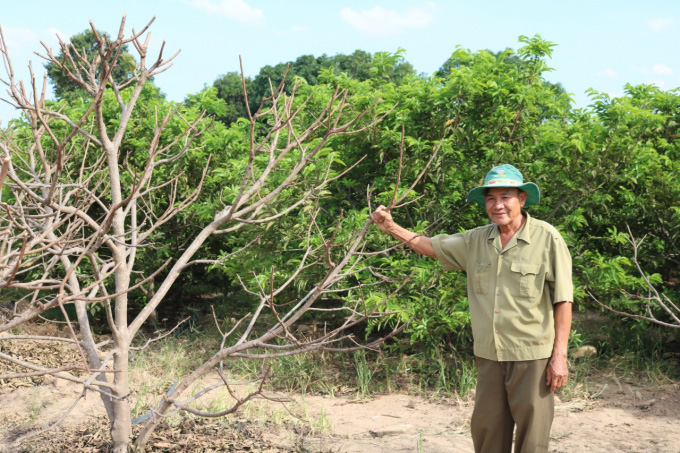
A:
(558, 372)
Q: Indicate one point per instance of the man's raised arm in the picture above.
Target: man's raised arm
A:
(419, 244)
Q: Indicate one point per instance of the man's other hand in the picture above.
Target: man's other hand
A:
(558, 372)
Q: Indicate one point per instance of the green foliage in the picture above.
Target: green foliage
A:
(309, 70)
(600, 169)
(229, 89)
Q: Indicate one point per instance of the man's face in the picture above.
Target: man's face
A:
(504, 204)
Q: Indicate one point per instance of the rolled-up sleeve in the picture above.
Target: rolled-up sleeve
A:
(451, 251)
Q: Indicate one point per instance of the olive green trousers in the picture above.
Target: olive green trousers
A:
(509, 395)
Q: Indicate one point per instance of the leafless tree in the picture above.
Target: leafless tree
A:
(73, 228)
(654, 302)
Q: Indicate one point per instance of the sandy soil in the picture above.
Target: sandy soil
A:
(616, 417)
(621, 419)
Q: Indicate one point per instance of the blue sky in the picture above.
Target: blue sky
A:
(601, 44)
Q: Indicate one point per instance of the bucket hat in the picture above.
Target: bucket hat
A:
(506, 175)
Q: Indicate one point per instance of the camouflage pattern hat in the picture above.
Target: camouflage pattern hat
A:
(505, 176)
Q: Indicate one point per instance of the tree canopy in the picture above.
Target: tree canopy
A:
(360, 66)
(600, 169)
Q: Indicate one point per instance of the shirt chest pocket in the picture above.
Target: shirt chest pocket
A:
(526, 279)
(481, 278)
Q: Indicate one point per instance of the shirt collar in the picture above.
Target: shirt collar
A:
(523, 233)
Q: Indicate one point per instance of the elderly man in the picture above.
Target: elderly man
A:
(520, 292)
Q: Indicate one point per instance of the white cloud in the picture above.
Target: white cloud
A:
(661, 69)
(660, 24)
(382, 22)
(23, 42)
(657, 69)
(237, 10)
(608, 74)
(19, 39)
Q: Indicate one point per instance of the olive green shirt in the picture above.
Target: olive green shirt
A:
(511, 291)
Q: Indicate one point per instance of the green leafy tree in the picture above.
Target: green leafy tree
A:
(360, 66)
(229, 89)
(615, 164)
(83, 47)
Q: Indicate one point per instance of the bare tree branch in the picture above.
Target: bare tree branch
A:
(84, 209)
(653, 301)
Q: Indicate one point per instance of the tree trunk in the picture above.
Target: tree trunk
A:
(121, 423)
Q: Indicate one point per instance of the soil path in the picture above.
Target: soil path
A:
(619, 417)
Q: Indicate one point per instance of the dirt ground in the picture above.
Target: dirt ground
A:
(616, 417)
(622, 419)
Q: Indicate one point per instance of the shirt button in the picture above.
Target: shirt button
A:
(497, 311)
(500, 275)
(498, 293)
(501, 255)
(496, 330)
